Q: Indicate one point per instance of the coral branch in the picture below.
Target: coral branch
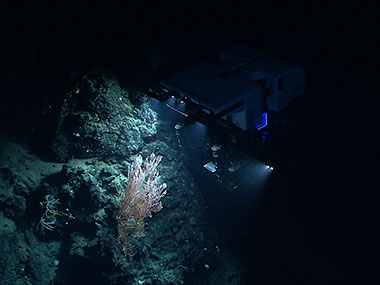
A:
(141, 197)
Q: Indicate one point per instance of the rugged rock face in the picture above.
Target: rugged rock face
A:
(98, 119)
(58, 219)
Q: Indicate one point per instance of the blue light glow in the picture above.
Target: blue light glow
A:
(264, 122)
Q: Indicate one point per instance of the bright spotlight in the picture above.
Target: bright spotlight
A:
(269, 167)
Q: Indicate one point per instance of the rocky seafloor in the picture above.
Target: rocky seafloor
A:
(100, 128)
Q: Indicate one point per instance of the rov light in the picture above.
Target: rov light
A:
(270, 167)
(264, 122)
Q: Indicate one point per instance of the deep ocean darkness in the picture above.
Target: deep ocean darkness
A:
(318, 220)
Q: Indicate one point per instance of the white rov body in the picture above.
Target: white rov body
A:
(243, 87)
